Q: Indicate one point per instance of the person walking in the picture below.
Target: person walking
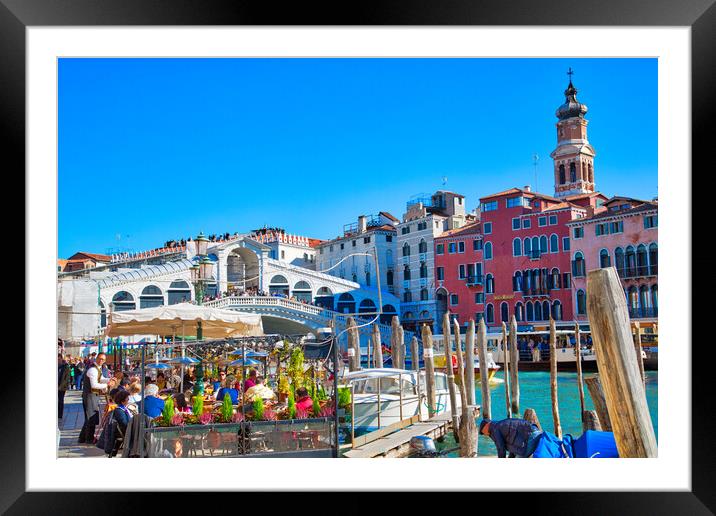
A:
(63, 384)
(79, 373)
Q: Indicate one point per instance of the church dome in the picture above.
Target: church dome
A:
(571, 107)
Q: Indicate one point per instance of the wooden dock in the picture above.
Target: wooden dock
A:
(397, 444)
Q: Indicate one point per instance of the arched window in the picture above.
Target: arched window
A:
(581, 302)
(535, 246)
(423, 270)
(504, 313)
(178, 292)
(630, 259)
(633, 301)
(529, 311)
(406, 273)
(302, 291)
(557, 311)
(572, 172)
(578, 268)
(528, 246)
(619, 262)
(367, 279)
(102, 315)
(408, 315)
(489, 313)
(487, 251)
(123, 300)
(644, 301)
(545, 309)
(424, 294)
(150, 297)
(346, 303)
(517, 281)
(517, 247)
(388, 312)
(556, 278)
(553, 243)
(406, 249)
(324, 298)
(354, 278)
(489, 284)
(562, 177)
(604, 260)
(584, 171)
(653, 259)
(591, 173)
(519, 312)
(389, 277)
(422, 246)
(642, 265)
(543, 244)
(538, 311)
(366, 306)
(655, 298)
(407, 296)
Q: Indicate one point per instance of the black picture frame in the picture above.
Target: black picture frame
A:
(699, 15)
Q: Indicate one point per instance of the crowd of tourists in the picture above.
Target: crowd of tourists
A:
(109, 395)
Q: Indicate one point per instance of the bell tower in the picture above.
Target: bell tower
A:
(574, 156)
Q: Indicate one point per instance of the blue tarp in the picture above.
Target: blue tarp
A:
(550, 447)
(598, 445)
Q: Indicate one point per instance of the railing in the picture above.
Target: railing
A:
(301, 437)
(533, 255)
(642, 271)
(643, 313)
(316, 311)
(475, 280)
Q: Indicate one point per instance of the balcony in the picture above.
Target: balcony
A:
(532, 292)
(638, 272)
(643, 313)
(533, 255)
(472, 281)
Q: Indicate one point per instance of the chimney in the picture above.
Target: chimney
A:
(362, 224)
(526, 188)
(590, 210)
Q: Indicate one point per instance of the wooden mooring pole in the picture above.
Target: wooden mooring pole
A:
(514, 373)
(506, 369)
(553, 378)
(429, 368)
(401, 347)
(580, 385)
(460, 366)
(470, 362)
(414, 358)
(394, 348)
(484, 370)
(353, 345)
(600, 405)
(624, 390)
(637, 346)
(450, 374)
(377, 348)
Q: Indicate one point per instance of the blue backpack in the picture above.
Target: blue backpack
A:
(550, 447)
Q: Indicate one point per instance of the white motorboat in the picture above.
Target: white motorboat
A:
(382, 397)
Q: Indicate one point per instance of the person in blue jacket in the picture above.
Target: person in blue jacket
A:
(153, 405)
(518, 437)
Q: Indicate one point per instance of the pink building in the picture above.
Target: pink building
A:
(622, 233)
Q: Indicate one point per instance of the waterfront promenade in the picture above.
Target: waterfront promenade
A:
(70, 426)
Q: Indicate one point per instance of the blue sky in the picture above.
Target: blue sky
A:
(155, 149)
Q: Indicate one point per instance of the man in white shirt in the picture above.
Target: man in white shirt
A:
(94, 385)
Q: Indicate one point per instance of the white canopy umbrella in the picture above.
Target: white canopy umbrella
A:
(165, 320)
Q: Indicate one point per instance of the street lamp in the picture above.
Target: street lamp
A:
(201, 272)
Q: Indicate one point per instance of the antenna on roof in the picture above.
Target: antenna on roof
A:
(535, 159)
(445, 180)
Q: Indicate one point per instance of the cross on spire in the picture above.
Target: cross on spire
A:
(570, 73)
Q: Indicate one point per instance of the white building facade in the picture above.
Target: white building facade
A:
(426, 217)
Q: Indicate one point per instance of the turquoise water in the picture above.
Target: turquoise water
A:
(535, 394)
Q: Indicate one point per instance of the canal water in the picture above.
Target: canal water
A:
(535, 394)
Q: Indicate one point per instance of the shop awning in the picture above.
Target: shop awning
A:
(182, 319)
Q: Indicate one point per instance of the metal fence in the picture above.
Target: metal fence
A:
(308, 438)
